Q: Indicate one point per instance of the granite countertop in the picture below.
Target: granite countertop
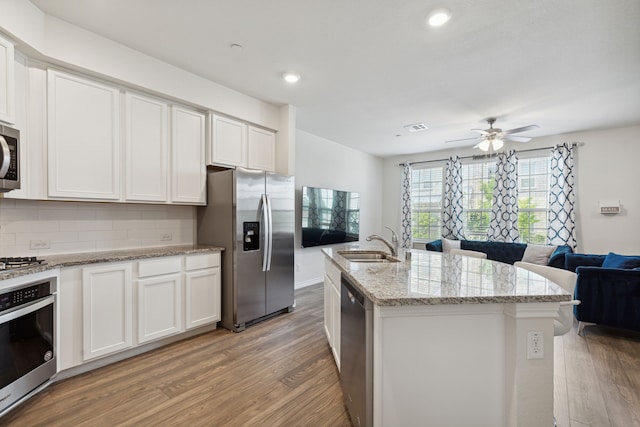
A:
(68, 260)
(431, 278)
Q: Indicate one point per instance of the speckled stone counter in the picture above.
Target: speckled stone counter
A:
(67, 260)
(431, 278)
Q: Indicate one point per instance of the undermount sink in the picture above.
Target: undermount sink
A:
(368, 256)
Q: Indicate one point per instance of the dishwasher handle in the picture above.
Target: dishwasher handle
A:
(353, 293)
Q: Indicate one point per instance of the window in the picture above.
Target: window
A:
(426, 203)
(478, 180)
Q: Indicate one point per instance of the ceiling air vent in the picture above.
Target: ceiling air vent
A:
(416, 127)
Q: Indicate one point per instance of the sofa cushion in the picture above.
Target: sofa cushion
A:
(448, 244)
(613, 260)
(538, 254)
(496, 251)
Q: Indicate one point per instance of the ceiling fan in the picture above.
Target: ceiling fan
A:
(495, 137)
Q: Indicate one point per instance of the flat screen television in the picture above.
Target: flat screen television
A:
(329, 216)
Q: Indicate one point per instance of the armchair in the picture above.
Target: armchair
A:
(609, 296)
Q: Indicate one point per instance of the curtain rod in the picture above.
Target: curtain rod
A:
(482, 156)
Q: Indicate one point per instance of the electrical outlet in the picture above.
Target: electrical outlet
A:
(166, 237)
(535, 345)
(39, 244)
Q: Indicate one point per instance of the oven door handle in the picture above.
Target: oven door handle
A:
(26, 309)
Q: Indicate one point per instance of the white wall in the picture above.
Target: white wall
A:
(326, 164)
(71, 227)
(608, 168)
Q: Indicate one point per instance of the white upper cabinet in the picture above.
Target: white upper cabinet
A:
(261, 149)
(6, 82)
(228, 142)
(233, 143)
(83, 138)
(147, 149)
(188, 174)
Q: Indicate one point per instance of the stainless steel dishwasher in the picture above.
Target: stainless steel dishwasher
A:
(356, 353)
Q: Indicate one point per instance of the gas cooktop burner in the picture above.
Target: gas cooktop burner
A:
(18, 262)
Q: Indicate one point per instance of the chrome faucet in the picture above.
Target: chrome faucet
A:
(393, 246)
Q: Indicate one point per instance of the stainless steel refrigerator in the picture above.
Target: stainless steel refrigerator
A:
(251, 214)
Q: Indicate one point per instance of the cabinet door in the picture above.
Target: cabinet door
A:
(159, 307)
(261, 149)
(106, 309)
(202, 294)
(228, 142)
(6, 81)
(188, 175)
(83, 138)
(147, 149)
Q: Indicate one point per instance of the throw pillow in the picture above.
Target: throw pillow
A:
(538, 254)
(621, 261)
(448, 244)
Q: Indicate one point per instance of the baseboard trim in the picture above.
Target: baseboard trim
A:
(309, 282)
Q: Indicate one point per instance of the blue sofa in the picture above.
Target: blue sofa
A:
(609, 296)
(504, 252)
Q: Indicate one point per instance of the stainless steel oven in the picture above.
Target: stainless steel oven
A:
(27, 337)
(9, 159)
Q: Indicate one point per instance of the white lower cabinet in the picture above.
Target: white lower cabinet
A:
(332, 308)
(107, 309)
(202, 290)
(159, 298)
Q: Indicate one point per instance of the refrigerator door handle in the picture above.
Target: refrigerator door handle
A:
(267, 232)
(270, 237)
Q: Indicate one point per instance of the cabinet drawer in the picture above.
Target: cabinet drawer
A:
(157, 266)
(196, 262)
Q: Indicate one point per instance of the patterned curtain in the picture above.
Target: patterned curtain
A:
(562, 217)
(452, 224)
(314, 205)
(405, 206)
(504, 212)
(339, 211)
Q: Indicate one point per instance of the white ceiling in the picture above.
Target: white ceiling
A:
(369, 67)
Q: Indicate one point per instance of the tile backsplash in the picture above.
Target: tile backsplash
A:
(37, 228)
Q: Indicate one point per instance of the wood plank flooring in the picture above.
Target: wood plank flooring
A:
(281, 373)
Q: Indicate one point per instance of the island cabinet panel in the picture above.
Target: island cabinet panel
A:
(107, 309)
(6, 81)
(83, 138)
(147, 149)
(332, 308)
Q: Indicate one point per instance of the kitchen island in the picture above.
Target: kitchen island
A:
(457, 341)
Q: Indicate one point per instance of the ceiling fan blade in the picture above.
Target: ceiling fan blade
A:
(517, 138)
(464, 139)
(480, 131)
(522, 129)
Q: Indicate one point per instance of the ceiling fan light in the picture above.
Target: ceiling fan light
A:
(497, 144)
(484, 145)
(439, 17)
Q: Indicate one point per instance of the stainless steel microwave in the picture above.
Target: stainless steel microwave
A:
(9, 159)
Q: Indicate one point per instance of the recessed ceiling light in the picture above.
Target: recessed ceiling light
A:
(439, 17)
(291, 77)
